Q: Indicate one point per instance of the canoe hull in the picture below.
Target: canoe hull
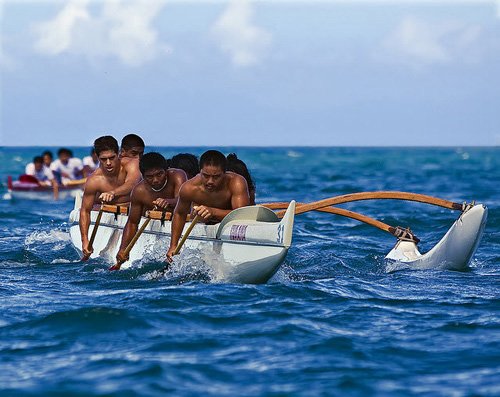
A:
(30, 191)
(245, 251)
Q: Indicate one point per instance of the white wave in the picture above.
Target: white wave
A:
(293, 153)
(47, 237)
(62, 260)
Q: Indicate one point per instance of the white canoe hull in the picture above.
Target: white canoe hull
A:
(453, 252)
(238, 250)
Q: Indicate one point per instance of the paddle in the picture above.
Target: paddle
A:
(185, 236)
(132, 243)
(183, 239)
(94, 231)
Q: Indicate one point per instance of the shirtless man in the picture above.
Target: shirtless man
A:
(132, 147)
(214, 193)
(111, 183)
(159, 187)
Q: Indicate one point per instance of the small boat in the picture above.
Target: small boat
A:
(28, 188)
(247, 246)
(453, 252)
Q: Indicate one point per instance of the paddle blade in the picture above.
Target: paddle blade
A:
(115, 267)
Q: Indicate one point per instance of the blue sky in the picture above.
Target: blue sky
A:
(230, 73)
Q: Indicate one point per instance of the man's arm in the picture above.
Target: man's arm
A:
(239, 198)
(178, 177)
(87, 203)
(134, 218)
(239, 189)
(55, 188)
(179, 219)
(132, 178)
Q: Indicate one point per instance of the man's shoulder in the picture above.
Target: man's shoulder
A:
(140, 188)
(176, 173)
(96, 177)
(55, 164)
(131, 165)
(75, 161)
(234, 179)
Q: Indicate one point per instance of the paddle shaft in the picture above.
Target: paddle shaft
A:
(96, 226)
(136, 237)
(185, 236)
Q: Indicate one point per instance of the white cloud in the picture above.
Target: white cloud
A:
(237, 36)
(56, 36)
(122, 30)
(419, 43)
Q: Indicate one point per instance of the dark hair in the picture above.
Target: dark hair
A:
(234, 164)
(37, 159)
(215, 158)
(106, 142)
(187, 162)
(48, 153)
(131, 140)
(64, 150)
(92, 150)
(152, 160)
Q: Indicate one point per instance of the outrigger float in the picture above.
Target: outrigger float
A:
(250, 243)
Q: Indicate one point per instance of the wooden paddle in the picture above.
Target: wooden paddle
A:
(132, 243)
(94, 232)
(185, 236)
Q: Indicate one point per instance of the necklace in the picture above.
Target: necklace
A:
(160, 189)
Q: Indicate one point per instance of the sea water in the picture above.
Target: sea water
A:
(335, 320)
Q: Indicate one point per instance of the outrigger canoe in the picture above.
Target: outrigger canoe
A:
(31, 190)
(250, 243)
(247, 246)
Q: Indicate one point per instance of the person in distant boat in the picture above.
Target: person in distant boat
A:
(187, 162)
(67, 167)
(234, 164)
(159, 188)
(132, 147)
(47, 158)
(111, 183)
(214, 193)
(43, 174)
(90, 163)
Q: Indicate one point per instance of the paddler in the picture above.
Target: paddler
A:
(131, 148)
(43, 174)
(111, 183)
(159, 188)
(213, 193)
(67, 167)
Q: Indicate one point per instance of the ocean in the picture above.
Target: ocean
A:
(334, 320)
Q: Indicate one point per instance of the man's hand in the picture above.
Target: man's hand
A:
(87, 250)
(170, 254)
(204, 212)
(162, 203)
(106, 197)
(121, 257)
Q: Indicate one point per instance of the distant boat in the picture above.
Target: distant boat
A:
(27, 187)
